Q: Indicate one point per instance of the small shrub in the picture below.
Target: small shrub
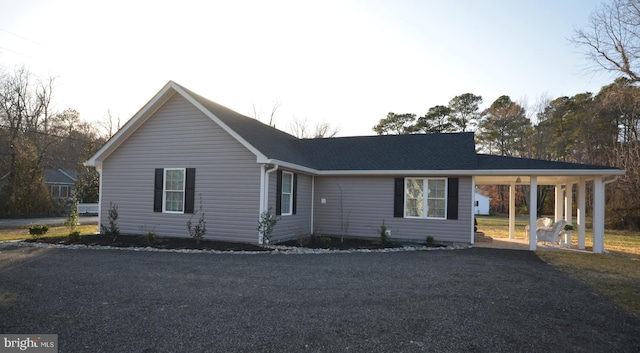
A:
(266, 225)
(325, 241)
(429, 241)
(384, 236)
(113, 229)
(198, 230)
(302, 239)
(73, 219)
(37, 231)
(150, 238)
(568, 227)
(73, 236)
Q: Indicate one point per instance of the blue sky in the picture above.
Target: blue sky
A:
(347, 62)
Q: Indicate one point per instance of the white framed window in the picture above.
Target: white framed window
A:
(286, 200)
(60, 191)
(425, 198)
(173, 192)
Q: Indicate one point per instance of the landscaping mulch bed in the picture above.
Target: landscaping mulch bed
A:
(140, 241)
(335, 243)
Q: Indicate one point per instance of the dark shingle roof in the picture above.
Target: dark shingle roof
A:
(392, 152)
(490, 162)
(59, 176)
(446, 151)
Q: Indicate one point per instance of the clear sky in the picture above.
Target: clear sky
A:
(346, 62)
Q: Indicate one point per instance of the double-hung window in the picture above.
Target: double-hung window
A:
(425, 198)
(174, 187)
(286, 199)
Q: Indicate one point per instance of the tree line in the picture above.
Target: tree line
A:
(33, 138)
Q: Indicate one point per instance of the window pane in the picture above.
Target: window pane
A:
(285, 204)
(436, 188)
(287, 182)
(175, 180)
(174, 201)
(415, 198)
(287, 193)
(436, 208)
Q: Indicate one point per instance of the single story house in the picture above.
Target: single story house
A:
(60, 183)
(481, 204)
(183, 155)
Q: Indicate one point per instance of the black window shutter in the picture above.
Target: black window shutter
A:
(157, 190)
(295, 193)
(279, 193)
(398, 198)
(452, 199)
(190, 190)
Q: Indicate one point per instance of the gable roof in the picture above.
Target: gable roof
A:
(59, 176)
(453, 153)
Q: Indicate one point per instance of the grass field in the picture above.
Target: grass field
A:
(615, 274)
(21, 233)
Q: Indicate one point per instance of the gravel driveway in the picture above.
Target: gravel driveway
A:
(473, 300)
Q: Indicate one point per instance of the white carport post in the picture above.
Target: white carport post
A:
(568, 203)
(533, 207)
(512, 210)
(598, 215)
(559, 202)
(581, 214)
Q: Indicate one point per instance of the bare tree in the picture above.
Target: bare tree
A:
(24, 114)
(110, 125)
(300, 129)
(612, 37)
(272, 116)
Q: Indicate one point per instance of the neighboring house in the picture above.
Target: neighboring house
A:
(60, 183)
(481, 204)
(182, 155)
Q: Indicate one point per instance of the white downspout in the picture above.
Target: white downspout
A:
(99, 169)
(264, 193)
(313, 195)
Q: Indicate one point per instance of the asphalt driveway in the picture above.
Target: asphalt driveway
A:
(475, 300)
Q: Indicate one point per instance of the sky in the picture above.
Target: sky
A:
(344, 62)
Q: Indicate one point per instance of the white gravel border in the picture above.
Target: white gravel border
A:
(277, 249)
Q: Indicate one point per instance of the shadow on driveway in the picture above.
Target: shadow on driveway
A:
(480, 300)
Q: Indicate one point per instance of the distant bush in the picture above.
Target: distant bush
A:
(325, 241)
(73, 236)
(37, 231)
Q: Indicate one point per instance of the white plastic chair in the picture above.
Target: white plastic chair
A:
(552, 234)
(540, 223)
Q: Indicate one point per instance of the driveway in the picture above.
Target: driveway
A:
(473, 300)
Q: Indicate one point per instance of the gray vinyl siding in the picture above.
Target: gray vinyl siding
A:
(360, 204)
(178, 135)
(299, 224)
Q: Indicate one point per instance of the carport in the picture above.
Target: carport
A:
(499, 170)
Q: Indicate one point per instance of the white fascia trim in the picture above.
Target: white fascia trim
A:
(288, 165)
(399, 172)
(548, 172)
